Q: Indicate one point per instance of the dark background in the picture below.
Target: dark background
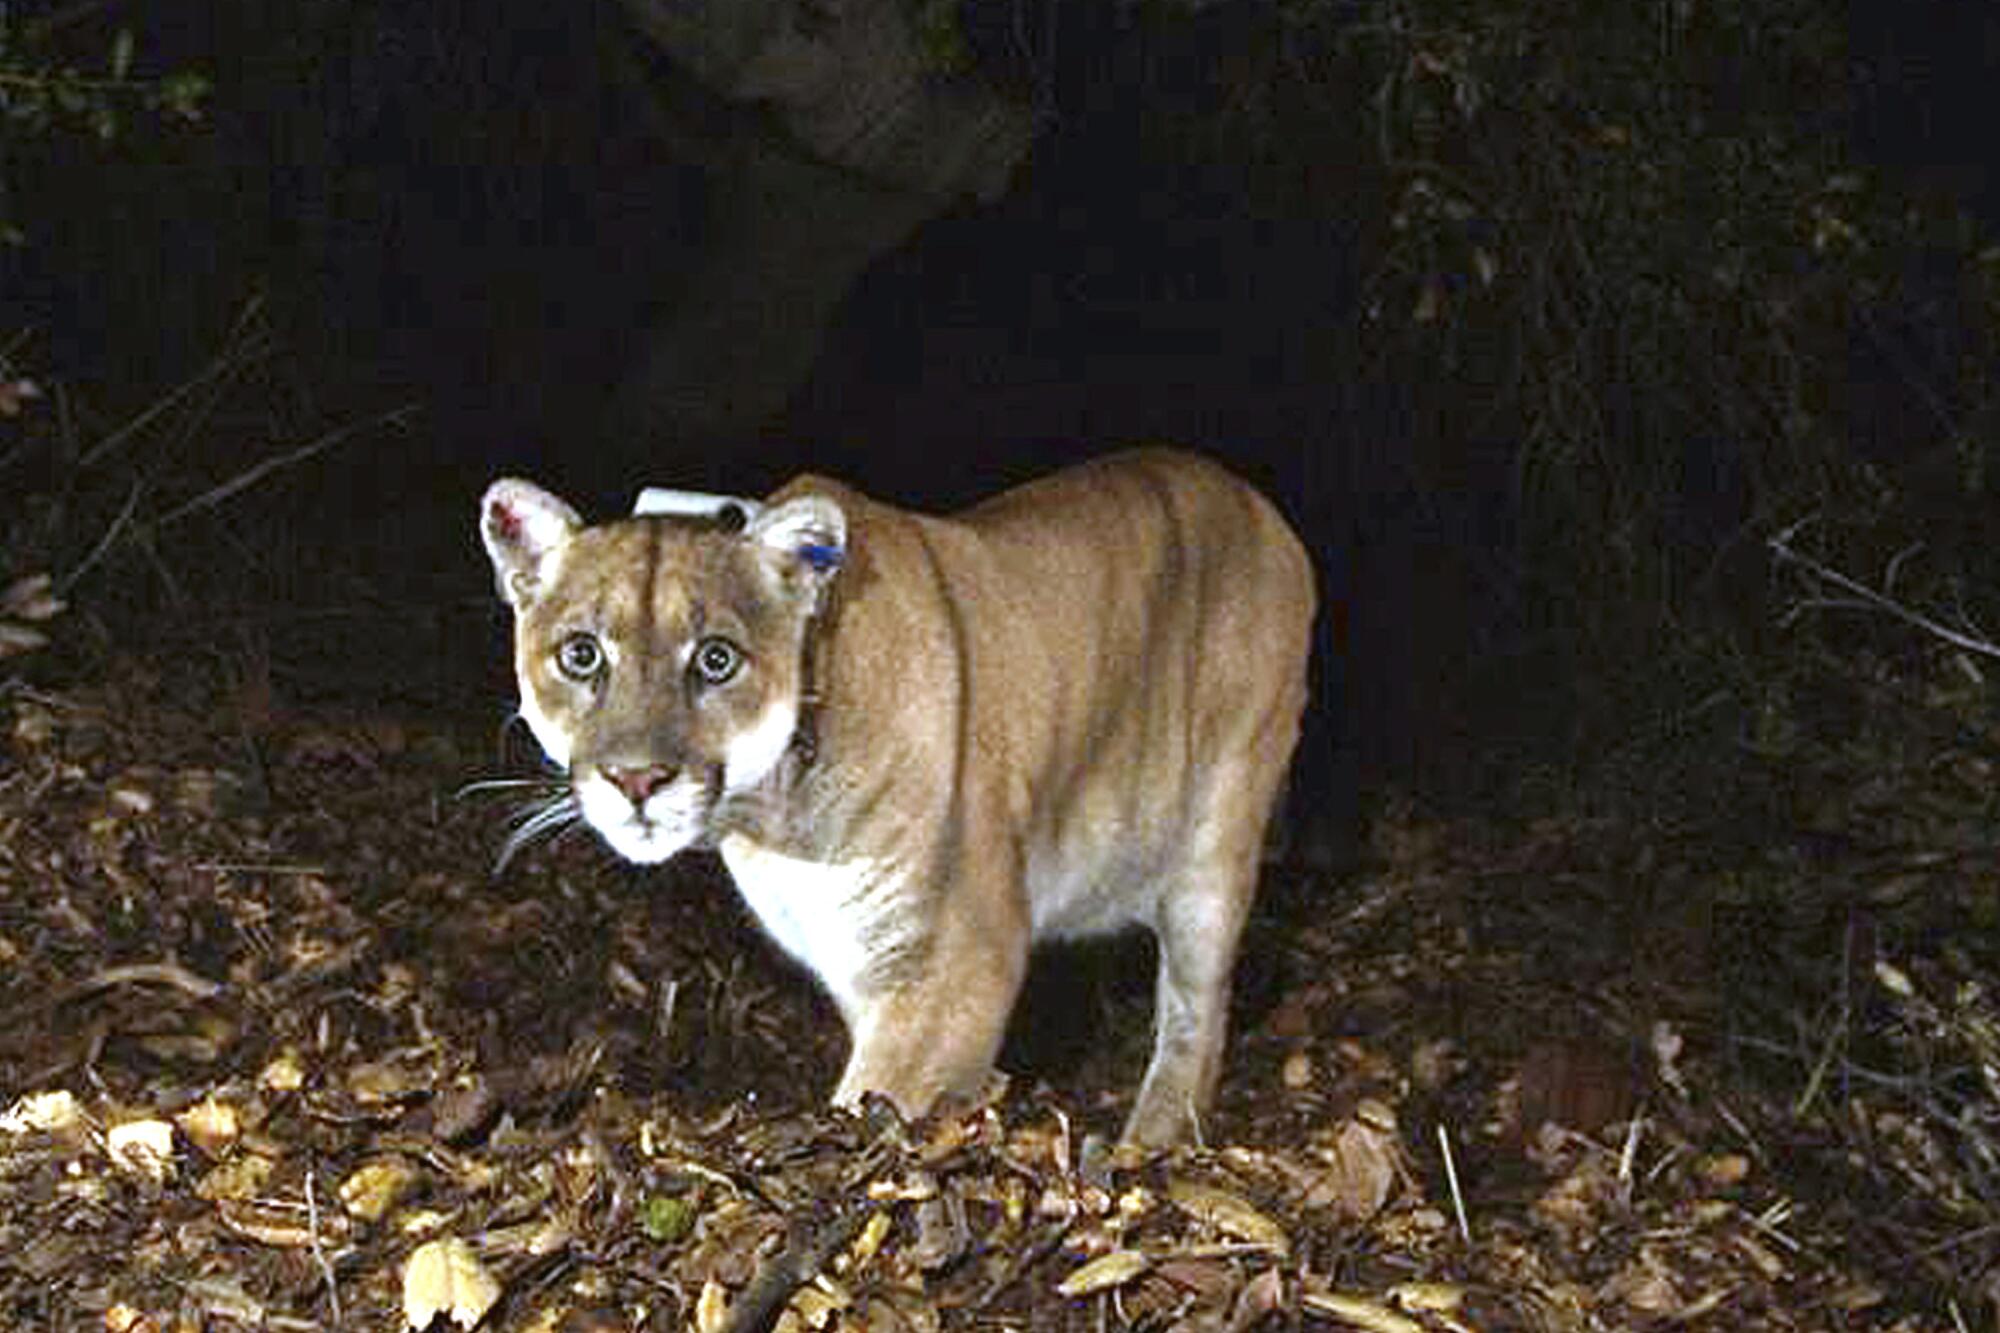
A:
(462, 207)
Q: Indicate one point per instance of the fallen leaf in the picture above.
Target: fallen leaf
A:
(1642, 1286)
(241, 1177)
(1362, 1158)
(1726, 1169)
(711, 1308)
(1363, 1314)
(123, 1318)
(1297, 1072)
(16, 639)
(941, 1233)
(145, 1147)
(46, 1112)
(210, 1125)
(31, 598)
(1229, 1214)
(866, 1245)
(286, 1073)
(666, 1218)
(373, 1188)
(816, 1303)
(1437, 1297)
(1434, 1063)
(445, 1277)
(279, 1225)
(1104, 1272)
(1261, 1296)
(382, 1082)
(16, 393)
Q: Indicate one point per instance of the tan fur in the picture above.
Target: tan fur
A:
(1060, 713)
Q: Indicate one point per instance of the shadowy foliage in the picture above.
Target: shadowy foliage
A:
(1640, 299)
(68, 71)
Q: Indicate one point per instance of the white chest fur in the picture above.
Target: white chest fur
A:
(839, 918)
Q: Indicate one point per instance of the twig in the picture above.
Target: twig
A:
(1768, 1223)
(1867, 596)
(250, 476)
(168, 973)
(1836, 1036)
(1959, 1240)
(1628, 1155)
(38, 82)
(118, 525)
(807, 1249)
(1024, 1258)
(227, 361)
(670, 993)
(1451, 1179)
(319, 1251)
(256, 868)
(1849, 1069)
(1735, 1123)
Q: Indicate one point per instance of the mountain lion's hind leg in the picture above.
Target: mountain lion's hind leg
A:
(1198, 923)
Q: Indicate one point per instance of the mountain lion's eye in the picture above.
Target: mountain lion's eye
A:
(716, 660)
(580, 656)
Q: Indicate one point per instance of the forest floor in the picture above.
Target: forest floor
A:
(279, 1049)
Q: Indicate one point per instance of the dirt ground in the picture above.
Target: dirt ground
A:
(280, 1049)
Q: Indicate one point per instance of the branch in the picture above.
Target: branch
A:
(808, 1248)
(1869, 598)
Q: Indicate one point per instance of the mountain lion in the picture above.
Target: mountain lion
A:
(922, 743)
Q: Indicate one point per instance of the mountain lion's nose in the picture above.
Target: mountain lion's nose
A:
(639, 783)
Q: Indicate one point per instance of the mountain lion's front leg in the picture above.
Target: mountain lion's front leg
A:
(924, 1042)
(938, 1031)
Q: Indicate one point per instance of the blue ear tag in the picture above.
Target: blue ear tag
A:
(821, 558)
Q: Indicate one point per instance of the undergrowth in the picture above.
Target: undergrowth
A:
(1633, 287)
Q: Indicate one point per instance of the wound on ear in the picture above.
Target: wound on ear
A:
(507, 523)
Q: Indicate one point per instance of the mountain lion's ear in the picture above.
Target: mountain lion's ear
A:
(521, 524)
(810, 530)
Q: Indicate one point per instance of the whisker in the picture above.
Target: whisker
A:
(532, 821)
(508, 784)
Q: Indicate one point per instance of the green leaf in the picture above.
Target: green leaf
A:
(182, 93)
(665, 1218)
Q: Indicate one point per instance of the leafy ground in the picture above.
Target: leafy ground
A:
(282, 1051)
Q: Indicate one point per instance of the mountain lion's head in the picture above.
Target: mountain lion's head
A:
(662, 660)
